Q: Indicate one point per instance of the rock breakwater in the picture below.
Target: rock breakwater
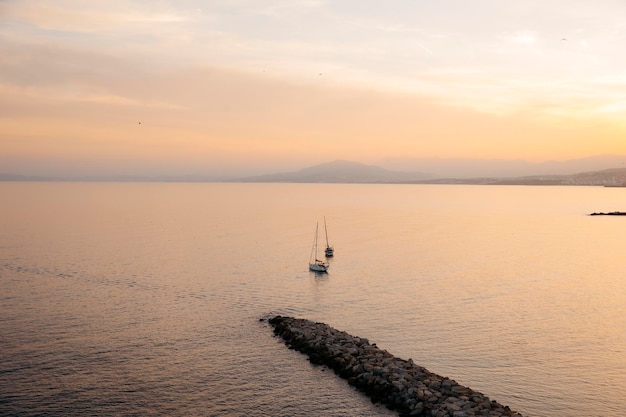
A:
(399, 384)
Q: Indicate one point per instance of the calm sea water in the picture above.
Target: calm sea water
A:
(145, 299)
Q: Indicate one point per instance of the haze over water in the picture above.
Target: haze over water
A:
(145, 298)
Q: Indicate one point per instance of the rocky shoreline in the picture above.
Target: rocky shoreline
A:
(400, 384)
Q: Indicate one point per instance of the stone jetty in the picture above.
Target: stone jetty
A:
(399, 384)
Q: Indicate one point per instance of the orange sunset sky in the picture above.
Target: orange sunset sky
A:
(228, 87)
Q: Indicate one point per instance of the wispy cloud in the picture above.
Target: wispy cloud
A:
(523, 37)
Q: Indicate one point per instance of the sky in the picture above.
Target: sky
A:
(241, 87)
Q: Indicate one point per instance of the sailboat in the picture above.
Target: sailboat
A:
(314, 263)
(330, 251)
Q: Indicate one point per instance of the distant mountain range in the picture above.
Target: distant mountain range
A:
(598, 172)
(354, 172)
(114, 178)
(340, 172)
(478, 168)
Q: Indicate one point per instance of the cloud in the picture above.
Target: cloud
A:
(127, 102)
(523, 37)
(490, 77)
(90, 17)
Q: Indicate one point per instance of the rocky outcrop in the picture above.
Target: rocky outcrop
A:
(399, 384)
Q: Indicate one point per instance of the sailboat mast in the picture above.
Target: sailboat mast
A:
(326, 232)
(314, 248)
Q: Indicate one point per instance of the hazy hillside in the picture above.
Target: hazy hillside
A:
(477, 168)
(339, 172)
(354, 172)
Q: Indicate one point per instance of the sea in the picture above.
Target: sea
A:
(151, 299)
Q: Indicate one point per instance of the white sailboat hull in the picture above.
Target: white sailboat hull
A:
(318, 267)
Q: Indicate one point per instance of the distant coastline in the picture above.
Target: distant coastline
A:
(348, 172)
